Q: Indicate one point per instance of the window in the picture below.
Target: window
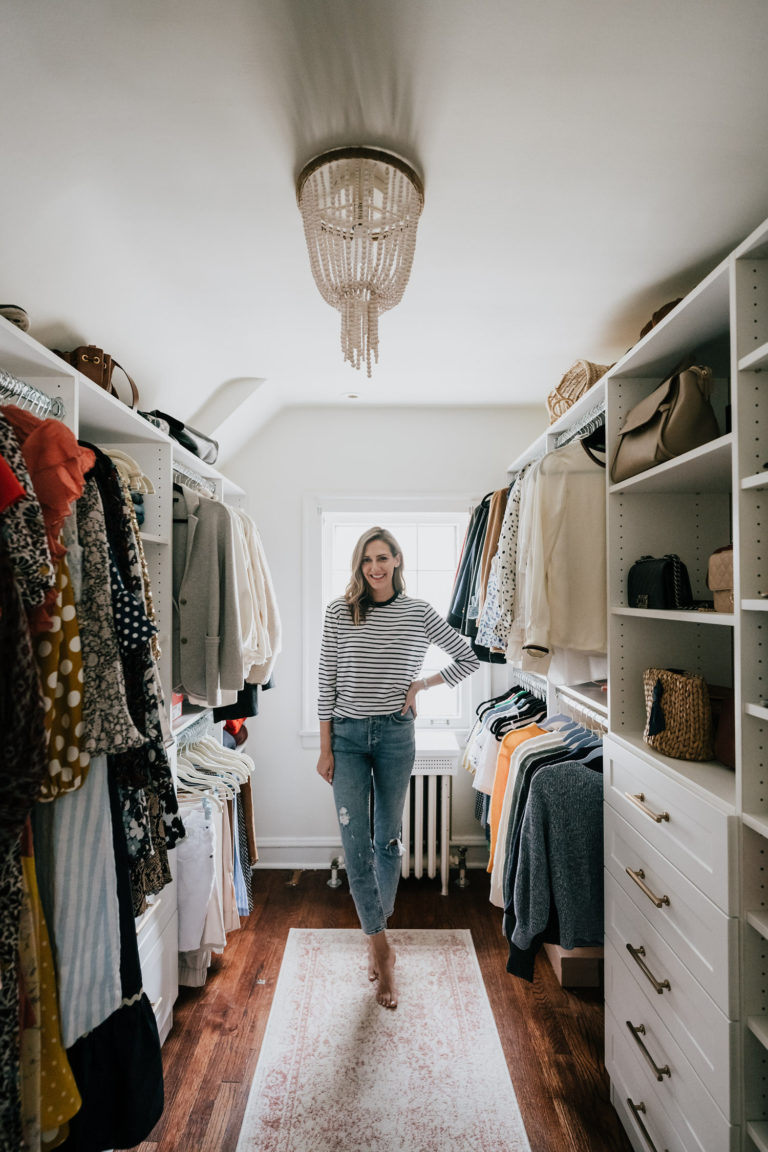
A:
(430, 532)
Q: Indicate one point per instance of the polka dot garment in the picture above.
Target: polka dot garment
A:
(132, 624)
(60, 664)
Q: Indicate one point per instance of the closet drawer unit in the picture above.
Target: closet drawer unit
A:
(680, 1090)
(698, 837)
(704, 938)
(160, 975)
(707, 1037)
(676, 1114)
(151, 924)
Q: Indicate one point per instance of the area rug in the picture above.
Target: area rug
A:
(338, 1072)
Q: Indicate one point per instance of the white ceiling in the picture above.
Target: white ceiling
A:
(583, 162)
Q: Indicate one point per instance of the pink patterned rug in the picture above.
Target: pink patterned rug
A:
(338, 1073)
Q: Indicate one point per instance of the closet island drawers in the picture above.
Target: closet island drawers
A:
(696, 836)
(648, 1068)
(702, 936)
(707, 1037)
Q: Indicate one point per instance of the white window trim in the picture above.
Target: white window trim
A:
(315, 504)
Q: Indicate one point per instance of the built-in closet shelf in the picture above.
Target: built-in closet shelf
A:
(153, 538)
(755, 360)
(758, 1134)
(758, 824)
(756, 710)
(758, 1026)
(755, 605)
(689, 617)
(703, 469)
(758, 921)
(708, 778)
(592, 399)
(759, 480)
(588, 695)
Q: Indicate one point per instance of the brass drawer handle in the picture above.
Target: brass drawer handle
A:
(638, 1031)
(637, 954)
(636, 1110)
(638, 877)
(638, 798)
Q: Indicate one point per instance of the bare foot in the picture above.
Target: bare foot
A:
(373, 971)
(382, 963)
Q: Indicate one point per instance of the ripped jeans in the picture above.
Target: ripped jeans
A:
(378, 750)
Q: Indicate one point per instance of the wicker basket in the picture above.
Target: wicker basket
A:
(578, 379)
(679, 716)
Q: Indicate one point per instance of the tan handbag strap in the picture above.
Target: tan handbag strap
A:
(134, 389)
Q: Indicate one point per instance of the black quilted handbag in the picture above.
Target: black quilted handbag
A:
(659, 582)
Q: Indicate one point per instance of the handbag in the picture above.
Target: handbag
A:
(577, 380)
(659, 582)
(99, 367)
(201, 445)
(676, 417)
(678, 714)
(720, 578)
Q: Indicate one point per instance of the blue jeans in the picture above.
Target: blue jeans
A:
(378, 750)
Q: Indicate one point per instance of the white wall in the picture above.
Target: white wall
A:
(346, 451)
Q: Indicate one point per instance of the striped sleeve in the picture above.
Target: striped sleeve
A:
(328, 664)
(440, 632)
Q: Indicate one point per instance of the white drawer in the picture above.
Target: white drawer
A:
(638, 1104)
(698, 837)
(151, 924)
(684, 1119)
(160, 975)
(703, 937)
(708, 1038)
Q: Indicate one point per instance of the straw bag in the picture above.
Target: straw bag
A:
(679, 715)
(577, 380)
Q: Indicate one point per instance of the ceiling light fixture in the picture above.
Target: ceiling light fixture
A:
(360, 208)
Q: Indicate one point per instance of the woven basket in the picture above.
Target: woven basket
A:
(679, 717)
(578, 379)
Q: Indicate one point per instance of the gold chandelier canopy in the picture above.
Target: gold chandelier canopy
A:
(360, 208)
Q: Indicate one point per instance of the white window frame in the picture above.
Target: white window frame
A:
(316, 507)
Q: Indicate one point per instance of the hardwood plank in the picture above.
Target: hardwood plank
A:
(552, 1037)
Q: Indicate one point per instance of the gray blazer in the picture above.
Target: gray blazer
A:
(207, 653)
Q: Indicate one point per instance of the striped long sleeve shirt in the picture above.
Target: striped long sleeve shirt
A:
(366, 669)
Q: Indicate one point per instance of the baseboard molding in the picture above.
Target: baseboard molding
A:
(313, 852)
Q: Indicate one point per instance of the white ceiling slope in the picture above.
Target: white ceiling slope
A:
(583, 163)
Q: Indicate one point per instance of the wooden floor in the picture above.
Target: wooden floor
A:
(553, 1039)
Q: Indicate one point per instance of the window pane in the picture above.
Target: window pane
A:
(437, 546)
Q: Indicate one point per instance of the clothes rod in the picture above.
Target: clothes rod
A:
(30, 398)
(531, 681)
(190, 479)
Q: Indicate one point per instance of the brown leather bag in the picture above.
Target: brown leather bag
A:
(675, 418)
(99, 366)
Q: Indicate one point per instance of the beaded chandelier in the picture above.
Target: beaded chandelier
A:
(360, 208)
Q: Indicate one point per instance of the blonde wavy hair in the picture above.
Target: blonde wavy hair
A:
(358, 594)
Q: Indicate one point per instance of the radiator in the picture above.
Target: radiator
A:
(427, 818)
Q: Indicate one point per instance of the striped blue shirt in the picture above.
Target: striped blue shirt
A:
(366, 669)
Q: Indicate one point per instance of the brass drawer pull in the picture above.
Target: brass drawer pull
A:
(638, 877)
(637, 954)
(638, 1031)
(638, 798)
(636, 1110)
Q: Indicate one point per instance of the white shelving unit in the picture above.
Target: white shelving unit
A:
(98, 418)
(711, 845)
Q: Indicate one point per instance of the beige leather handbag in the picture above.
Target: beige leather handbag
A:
(675, 418)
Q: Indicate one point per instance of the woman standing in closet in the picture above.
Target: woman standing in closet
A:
(375, 639)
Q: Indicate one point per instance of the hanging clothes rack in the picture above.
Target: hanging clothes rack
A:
(30, 398)
(591, 421)
(198, 730)
(532, 681)
(190, 479)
